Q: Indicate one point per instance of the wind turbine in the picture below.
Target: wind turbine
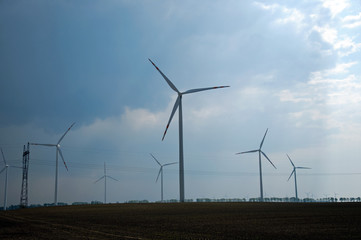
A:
(105, 176)
(6, 178)
(58, 151)
(178, 105)
(294, 173)
(260, 162)
(161, 173)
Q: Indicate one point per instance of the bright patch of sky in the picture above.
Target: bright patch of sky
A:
(293, 67)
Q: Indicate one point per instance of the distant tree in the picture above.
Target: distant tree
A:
(48, 204)
(79, 203)
(35, 205)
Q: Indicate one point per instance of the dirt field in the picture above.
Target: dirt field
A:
(186, 221)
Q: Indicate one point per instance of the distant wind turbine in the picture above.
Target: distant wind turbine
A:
(6, 178)
(58, 151)
(260, 162)
(294, 173)
(178, 105)
(161, 173)
(105, 176)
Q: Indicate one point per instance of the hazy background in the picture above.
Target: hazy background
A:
(293, 67)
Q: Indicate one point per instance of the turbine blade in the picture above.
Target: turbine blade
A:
(290, 160)
(113, 178)
(44, 144)
(65, 133)
(202, 89)
(260, 146)
(248, 152)
(160, 169)
(303, 168)
(167, 164)
(268, 159)
(165, 77)
(61, 155)
(176, 104)
(2, 153)
(99, 179)
(291, 174)
(155, 159)
(2, 170)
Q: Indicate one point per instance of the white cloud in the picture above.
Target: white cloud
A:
(335, 6)
(352, 18)
(352, 21)
(352, 25)
(328, 34)
(340, 68)
(270, 7)
(327, 99)
(324, 76)
(290, 15)
(140, 119)
(288, 96)
(345, 45)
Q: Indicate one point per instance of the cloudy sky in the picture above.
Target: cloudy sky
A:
(293, 67)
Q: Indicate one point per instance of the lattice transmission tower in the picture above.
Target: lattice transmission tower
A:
(24, 186)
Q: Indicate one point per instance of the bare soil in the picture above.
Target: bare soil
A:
(185, 221)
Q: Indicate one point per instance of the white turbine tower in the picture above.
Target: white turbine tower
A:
(161, 174)
(260, 162)
(58, 151)
(294, 173)
(178, 105)
(105, 176)
(6, 178)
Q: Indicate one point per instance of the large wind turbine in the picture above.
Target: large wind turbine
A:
(105, 176)
(294, 173)
(6, 178)
(58, 151)
(161, 174)
(260, 163)
(178, 105)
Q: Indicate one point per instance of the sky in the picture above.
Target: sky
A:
(293, 67)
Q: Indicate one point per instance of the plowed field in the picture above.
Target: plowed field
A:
(186, 221)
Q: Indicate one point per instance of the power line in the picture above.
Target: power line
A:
(136, 169)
